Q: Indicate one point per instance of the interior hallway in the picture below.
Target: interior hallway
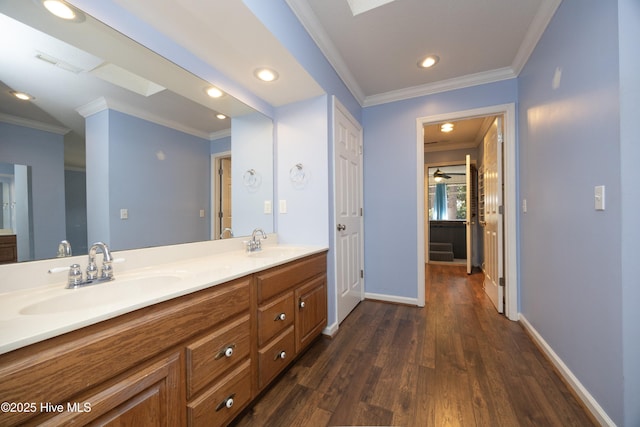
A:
(455, 362)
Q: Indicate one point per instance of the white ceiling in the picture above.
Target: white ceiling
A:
(376, 52)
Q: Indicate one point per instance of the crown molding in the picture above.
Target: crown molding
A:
(101, 104)
(441, 86)
(33, 124)
(310, 22)
(538, 26)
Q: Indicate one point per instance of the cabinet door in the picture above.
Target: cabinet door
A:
(150, 396)
(311, 311)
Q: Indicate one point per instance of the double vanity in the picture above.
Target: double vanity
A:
(188, 338)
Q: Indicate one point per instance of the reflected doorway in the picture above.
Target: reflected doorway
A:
(221, 219)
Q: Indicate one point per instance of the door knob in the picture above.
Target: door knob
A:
(342, 227)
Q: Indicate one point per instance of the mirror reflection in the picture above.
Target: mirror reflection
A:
(122, 145)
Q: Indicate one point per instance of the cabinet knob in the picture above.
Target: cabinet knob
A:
(226, 403)
(302, 304)
(280, 355)
(225, 352)
(280, 316)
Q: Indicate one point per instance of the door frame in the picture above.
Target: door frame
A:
(510, 203)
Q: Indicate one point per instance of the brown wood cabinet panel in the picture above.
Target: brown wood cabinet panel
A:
(149, 396)
(279, 279)
(311, 312)
(275, 317)
(8, 249)
(56, 369)
(219, 404)
(212, 355)
(276, 356)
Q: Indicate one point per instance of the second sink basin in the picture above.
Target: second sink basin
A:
(98, 295)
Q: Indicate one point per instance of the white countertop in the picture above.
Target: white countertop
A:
(31, 315)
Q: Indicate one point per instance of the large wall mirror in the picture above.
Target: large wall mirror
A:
(122, 145)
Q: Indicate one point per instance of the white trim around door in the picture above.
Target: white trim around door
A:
(510, 198)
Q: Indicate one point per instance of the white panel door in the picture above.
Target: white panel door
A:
(493, 214)
(348, 211)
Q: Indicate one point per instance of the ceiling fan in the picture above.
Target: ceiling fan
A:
(438, 175)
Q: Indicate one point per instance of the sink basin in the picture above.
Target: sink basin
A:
(100, 294)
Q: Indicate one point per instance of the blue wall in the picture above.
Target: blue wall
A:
(570, 142)
(141, 156)
(390, 176)
(44, 152)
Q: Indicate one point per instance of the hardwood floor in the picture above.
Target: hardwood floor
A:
(455, 362)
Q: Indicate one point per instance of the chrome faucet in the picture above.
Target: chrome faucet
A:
(107, 269)
(76, 279)
(255, 244)
(64, 249)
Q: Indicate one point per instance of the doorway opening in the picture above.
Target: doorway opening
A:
(450, 197)
(428, 155)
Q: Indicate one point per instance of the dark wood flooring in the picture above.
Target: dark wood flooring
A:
(455, 362)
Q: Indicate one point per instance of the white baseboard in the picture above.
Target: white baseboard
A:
(391, 298)
(331, 330)
(582, 393)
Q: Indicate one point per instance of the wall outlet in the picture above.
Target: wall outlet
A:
(283, 206)
(267, 206)
(124, 213)
(201, 213)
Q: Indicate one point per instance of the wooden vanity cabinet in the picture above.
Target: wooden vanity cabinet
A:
(131, 367)
(196, 360)
(8, 249)
(292, 311)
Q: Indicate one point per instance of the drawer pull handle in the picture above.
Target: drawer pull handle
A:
(226, 403)
(225, 352)
(280, 355)
(302, 304)
(280, 316)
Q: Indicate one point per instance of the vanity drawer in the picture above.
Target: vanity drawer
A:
(218, 405)
(280, 279)
(212, 355)
(274, 317)
(275, 357)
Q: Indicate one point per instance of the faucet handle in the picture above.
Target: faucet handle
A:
(75, 276)
(107, 271)
(92, 271)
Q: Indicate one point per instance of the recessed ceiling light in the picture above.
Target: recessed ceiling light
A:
(63, 10)
(22, 95)
(221, 116)
(214, 92)
(266, 74)
(446, 127)
(428, 61)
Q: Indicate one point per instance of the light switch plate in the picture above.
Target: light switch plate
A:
(598, 195)
(283, 206)
(124, 213)
(267, 206)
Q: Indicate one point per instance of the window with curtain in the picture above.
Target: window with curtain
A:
(448, 198)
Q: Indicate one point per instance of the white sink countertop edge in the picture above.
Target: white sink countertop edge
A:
(19, 330)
